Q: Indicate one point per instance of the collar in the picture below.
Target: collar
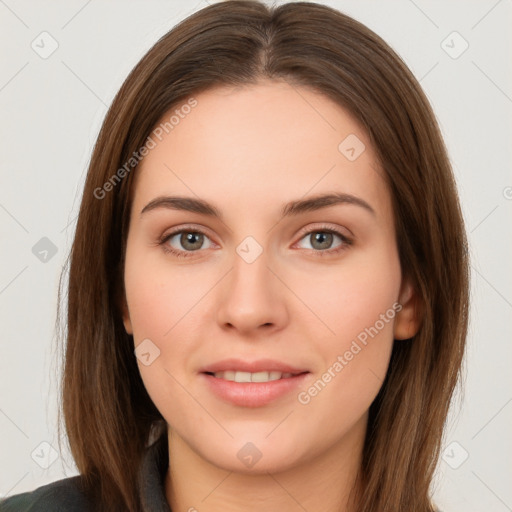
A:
(152, 476)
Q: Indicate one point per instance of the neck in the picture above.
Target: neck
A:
(323, 483)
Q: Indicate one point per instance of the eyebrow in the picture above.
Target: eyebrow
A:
(296, 207)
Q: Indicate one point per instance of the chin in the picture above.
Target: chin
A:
(252, 454)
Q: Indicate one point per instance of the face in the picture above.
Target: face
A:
(260, 277)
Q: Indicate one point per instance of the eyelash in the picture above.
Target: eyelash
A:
(346, 242)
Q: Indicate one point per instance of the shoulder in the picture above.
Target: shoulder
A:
(60, 496)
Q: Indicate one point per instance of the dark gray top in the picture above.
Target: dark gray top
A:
(66, 495)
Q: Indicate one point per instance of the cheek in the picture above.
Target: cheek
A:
(159, 297)
(350, 297)
(165, 305)
(163, 309)
(355, 308)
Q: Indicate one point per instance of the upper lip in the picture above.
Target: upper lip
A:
(260, 365)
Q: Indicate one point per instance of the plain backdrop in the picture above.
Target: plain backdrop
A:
(51, 109)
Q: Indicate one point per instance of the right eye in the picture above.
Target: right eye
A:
(185, 241)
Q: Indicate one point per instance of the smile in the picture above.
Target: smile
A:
(240, 376)
(246, 389)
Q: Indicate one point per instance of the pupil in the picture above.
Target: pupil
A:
(189, 240)
(322, 238)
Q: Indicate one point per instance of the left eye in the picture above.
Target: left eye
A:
(322, 240)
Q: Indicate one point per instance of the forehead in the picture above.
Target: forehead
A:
(258, 144)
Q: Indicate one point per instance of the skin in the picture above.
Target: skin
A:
(248, 151)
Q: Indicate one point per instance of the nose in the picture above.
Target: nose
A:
(252, 299)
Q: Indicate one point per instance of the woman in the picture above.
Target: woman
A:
(268, 285)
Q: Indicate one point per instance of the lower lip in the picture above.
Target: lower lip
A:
(253, 394)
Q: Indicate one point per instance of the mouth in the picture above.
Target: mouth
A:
(253, 389)
(262, 376)
(252, 383)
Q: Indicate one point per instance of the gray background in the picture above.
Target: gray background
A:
(50, 113)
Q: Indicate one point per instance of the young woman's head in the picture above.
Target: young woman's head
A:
(269, 192)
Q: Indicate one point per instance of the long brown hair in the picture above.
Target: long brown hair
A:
(107, 411)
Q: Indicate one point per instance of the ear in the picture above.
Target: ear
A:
(407, 319)
(126, 316)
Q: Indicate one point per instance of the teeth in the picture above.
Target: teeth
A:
(251, 377)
